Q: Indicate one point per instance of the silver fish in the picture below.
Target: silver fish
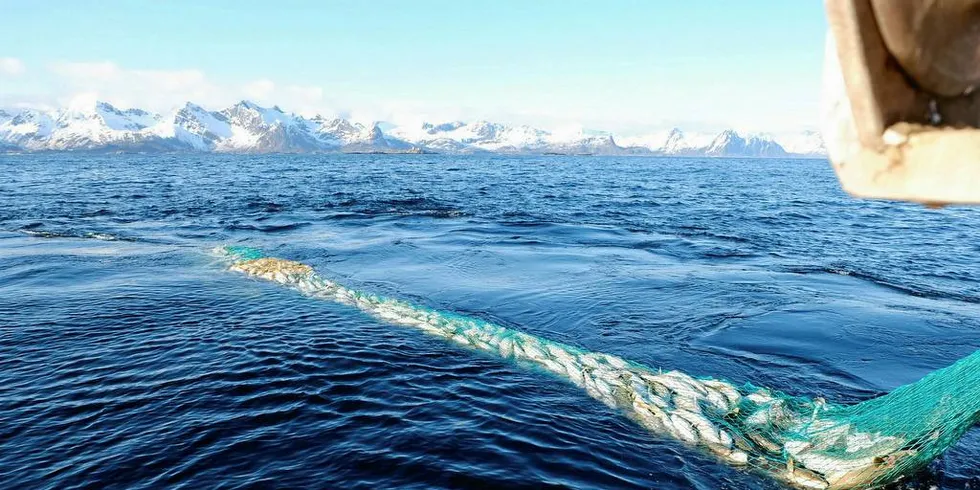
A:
(682, 429)
(708, 432)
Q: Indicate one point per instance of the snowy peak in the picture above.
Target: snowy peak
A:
(30, 118)
(338, 130)
(128, 120)
(485, 131)
(375, 133)
(730, 143)
(674, 141)
(27, 129)
(806, 143)
(373, 139)
(195, 127)
(253, 117)
(105, 116)
(258, 129)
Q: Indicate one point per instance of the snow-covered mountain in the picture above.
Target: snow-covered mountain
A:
(672, 142)
(480, 136)
(806, 143)
(249, 128)
(730, 143)
(26, 129)
(244, 128)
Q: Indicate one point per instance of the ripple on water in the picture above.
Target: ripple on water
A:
(129, 364)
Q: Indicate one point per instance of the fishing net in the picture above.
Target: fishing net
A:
(807, 443)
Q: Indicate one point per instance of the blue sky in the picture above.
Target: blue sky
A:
(626, 66)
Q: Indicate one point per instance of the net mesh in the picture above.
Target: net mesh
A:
(807, 443)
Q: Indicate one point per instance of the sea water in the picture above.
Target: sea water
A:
(129, 357)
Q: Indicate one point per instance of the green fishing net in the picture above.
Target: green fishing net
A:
(806, 443)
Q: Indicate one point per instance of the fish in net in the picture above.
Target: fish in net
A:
(806, 443)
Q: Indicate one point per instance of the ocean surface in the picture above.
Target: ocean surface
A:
(130, 358)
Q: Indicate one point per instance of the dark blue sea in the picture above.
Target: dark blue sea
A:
(130, 358)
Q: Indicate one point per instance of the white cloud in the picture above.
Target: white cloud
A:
(158, 90)
(164, 90)
(97, 71)
(82, 101)
(259, 90)
(11, 66)
(304, 99)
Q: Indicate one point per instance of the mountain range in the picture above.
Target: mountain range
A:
(249, 128)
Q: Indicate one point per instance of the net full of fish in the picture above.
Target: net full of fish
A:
(806, 443)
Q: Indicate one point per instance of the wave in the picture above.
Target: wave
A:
(94, 235)
(920, 292)
(351, 207)
(264, 206)
(97, 213)
(268, 228)
(807, 443)
(698, 232)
